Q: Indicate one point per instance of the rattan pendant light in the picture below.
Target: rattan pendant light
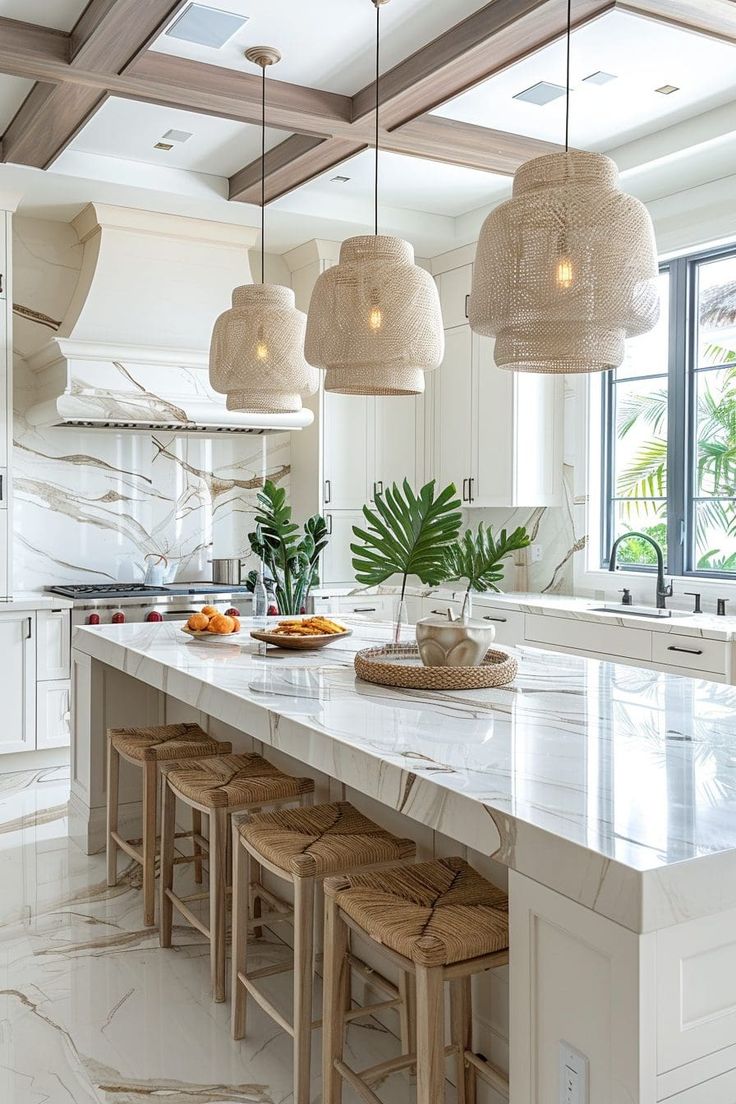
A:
(374, 323)
(257, 347)
(566, 269)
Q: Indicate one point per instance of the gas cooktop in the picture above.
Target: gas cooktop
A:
(132, 590)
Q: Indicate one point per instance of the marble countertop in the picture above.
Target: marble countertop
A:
(31, 600)
(612, 785)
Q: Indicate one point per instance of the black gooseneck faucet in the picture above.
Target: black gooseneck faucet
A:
(664, 590)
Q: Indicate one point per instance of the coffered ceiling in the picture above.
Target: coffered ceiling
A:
(111, 82)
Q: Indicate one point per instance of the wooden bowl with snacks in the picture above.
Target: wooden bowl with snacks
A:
(302, 633)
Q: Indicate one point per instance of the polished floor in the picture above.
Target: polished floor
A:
(93, 1012)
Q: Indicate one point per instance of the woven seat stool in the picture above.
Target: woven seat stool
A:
(440, 921)
(147, 749)
(302, 847)
(217, 787)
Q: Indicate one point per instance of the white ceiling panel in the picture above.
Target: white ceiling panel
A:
(326, 43)
(59, 14)
(130, 129)
(642, 54)
(412, 183)
(13, 91)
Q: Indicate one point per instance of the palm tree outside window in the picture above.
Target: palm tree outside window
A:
(669, 426)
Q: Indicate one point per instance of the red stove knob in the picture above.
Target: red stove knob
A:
(93, 619)
(273, 611)
(154, 615)
(118, 618)
(232, 612)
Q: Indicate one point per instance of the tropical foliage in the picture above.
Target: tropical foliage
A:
(406, 534)
(291, 557)
(477, 557)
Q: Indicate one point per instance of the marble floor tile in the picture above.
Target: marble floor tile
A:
(92, 1011)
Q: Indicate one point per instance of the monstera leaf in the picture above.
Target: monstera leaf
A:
(291, 557)
(406, 534)
(478, 556)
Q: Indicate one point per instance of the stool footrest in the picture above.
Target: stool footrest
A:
(370, 1009)
(187, 913)
(490, 1074)
(391, 1065)
(265, 1004)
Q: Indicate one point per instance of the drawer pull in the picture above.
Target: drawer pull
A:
(688, 651)
(442, 612)
(487, 617)
(364, 609)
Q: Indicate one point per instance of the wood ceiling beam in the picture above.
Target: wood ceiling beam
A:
(715, 18)
(294, 161)
(109, 35)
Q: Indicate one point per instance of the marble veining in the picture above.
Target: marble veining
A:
(92, 1011)
(613, 785)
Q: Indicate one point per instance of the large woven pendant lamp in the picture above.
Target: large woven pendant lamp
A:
(257, 347)
(374, 323)
(566, 269)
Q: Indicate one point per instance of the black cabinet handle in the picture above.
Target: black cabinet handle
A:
(328, 491)
(467, 306)
(329, 523)
(688, 651)
(487, 617)
(2, 289)
(465, 490)
(471, 481)
(441, 613)
(1, 488)
(364, 609)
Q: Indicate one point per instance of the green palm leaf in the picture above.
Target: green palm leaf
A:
(406, 534)
(478, 556)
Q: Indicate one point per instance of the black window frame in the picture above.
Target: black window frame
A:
(681, 440)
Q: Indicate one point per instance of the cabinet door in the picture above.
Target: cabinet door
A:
(452, 412)
(538, 404)
(454, 287)
(396, 421)
(4, 228)
(53, 644)
(52, 714)
(6, 405)
(492, 429)
(18, 665)
(4, 581)
(337, 566)
(346, 423)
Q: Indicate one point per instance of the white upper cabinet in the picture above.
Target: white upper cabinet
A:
(347, 421)
(497, 434)
(396, 437)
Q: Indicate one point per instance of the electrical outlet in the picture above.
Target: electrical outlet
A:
(535, 553)
(573, 1075)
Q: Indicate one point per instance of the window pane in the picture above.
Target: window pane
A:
(715, 535)
(648, 354)
(640, 446)
(715, 451)
(644, 516)
(717, 311)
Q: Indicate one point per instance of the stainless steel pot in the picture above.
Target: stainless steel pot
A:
(227, 571)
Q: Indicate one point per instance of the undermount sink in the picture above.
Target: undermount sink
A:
(638, 611)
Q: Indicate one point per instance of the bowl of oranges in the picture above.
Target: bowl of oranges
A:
(211, 624)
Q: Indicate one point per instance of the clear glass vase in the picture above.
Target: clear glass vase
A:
(401, 621)
(466, 613)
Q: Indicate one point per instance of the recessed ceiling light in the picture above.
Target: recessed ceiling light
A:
(667, 89)
(177, 136)
(163, 146)
(541, 93)
(206, 26)
(600, 77)
(339, 179)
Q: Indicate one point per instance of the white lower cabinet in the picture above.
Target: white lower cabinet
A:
(18, 681)
(337, 559)
(53, 645)
(53, 705)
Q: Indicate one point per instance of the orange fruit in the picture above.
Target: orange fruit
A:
(210, 611)
(221, 624)
(198, 622)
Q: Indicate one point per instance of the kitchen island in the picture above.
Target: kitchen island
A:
(604, 795)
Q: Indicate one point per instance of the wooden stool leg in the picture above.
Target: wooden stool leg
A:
(256, 876)
(149, 843)
(241, 915)
(196, 847)
(461, 1020)
(113, 785)
(218, 881)
(407, 1014)
(335, 988)
(168, 828)
(303, 947)
(430, 1035)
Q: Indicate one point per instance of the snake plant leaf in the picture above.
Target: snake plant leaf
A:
(406, 533)
(478, 556)
(291, 557)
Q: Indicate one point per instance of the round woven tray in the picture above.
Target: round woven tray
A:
(400, 665)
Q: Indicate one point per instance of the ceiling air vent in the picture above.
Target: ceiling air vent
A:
(599, 77)
(541, 93)
(206, 26)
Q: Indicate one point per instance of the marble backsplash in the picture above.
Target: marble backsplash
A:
(91, 506)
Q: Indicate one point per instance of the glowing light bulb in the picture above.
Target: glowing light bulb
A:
(375, 319)
(262, 350)
(564, 273)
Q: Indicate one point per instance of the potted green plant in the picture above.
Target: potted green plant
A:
(406, 534)
(291, 556)
(477, 557)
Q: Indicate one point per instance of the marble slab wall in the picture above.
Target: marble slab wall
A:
(90, 506)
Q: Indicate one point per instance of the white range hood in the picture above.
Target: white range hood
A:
(132, 350)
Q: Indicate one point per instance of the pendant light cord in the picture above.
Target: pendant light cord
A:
(567, 84)
(378, 71)
(263, 174)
